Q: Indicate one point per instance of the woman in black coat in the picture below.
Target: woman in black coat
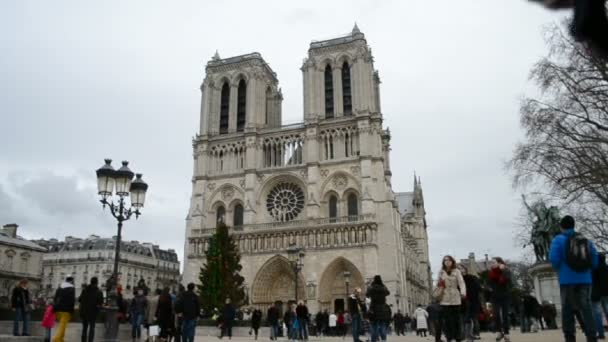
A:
(256, 319)
(164, 314)
(379, 312)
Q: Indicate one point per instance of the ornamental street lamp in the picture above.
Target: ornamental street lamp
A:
(346, 275)
(296, 259)
(119, 183)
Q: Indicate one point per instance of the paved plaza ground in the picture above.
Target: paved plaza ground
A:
(544, 336)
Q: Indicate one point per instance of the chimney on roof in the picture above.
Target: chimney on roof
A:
(471, 256)
(10, 230)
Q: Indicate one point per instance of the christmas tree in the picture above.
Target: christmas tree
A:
(219, 277)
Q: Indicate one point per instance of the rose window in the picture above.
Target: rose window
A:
(285, 201)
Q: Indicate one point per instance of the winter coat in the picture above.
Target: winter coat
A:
(434, 311)
(421, 316)
(273, 315)
(188, 305)
(599, 287)
(48, 321)
(557, 255)
(302, 312)
(500, 282)
(256, 319)
(151, 309)
(90, 301)
(355, 306)
(378, 311)
(473, 287)
(333, 320)
(65, 298)
(228, 313)
(139, 305)
(164, 312)
(20, 298)
(454, 289)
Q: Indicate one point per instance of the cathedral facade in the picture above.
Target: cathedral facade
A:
(323, 185)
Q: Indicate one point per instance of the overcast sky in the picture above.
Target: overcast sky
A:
(84, 80)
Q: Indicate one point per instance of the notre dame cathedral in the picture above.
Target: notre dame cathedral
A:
(322, 185)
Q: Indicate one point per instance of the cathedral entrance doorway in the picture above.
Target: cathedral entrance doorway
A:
(339, 305)
(274, 284)
(340, 277)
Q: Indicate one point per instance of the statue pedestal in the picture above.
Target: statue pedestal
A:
(546, 286)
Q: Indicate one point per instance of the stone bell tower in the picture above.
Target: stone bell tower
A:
(239, 93)
(339, 78)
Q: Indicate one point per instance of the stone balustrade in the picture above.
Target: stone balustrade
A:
(323, 233)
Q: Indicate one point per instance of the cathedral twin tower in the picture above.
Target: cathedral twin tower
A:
(323, 185)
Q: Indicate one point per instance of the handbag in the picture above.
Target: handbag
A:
(438, 293)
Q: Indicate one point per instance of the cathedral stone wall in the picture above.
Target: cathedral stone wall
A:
(323, 185)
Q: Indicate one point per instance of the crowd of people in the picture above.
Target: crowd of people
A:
(460, 309)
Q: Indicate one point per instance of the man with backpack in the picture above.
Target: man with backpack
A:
(574, 257)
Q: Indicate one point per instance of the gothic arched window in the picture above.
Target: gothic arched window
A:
(346, 90)
(224, 105)
(241, 106)
(333, 206)
(329, 93)
(220, 215)
(353, 205)
(268, 102)
(238, 215)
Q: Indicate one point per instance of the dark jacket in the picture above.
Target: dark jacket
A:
(90, 301)
(531, 306)
(473, 289)
(500, 282)
(20, 298)
(355, 306)
(65, 298)
(302, 312)
(379, 311)
(599, 287)
(188, 305)
(273, 315)
(434, 311)
(139, 305)
(164, 312)
(228, 313)
(256, 319)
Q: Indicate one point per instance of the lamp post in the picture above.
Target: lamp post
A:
(347, 281)
(119, 183)
(296, 259)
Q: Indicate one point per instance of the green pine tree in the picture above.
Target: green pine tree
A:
(219, 277)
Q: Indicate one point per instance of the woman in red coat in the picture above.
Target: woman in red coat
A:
(500, 282)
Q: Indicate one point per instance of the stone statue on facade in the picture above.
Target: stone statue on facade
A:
(545, 225)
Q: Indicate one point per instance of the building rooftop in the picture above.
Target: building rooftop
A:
(352, 36)
(8, 236)
(95, 243)
(217, 61)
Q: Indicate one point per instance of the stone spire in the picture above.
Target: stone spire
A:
(216, 56)
(355, 29)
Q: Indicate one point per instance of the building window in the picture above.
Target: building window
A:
(224, 105)
(220, 215)
(353, 205)
(285, 201)
(268, 102)
(241, 106)
(346, 90)
(329, 93)
(238, 215)
(333, 206)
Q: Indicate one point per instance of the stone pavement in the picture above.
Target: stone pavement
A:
(543, 336)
